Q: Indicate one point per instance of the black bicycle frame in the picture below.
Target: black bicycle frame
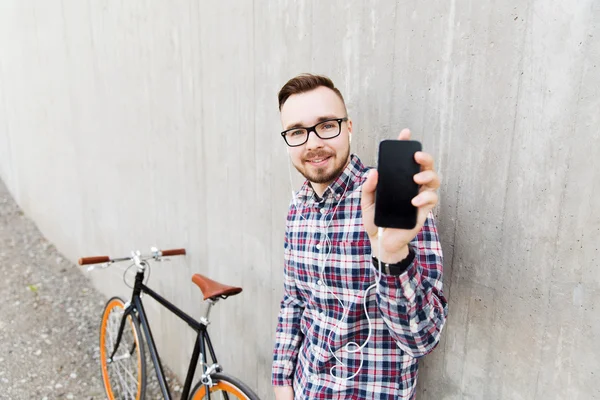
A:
(202, 340)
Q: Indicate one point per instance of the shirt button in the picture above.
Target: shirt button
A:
(319, 282)
(318, 246)
(338, 196)
(323, 211)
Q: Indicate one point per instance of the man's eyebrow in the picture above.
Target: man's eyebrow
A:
(319, 119)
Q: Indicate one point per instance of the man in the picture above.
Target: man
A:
(327, 347)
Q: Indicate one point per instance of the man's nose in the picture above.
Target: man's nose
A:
(313, 142)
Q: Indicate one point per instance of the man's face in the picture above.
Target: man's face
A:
(321, 161)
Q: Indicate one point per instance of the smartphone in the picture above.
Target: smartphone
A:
(396, 186)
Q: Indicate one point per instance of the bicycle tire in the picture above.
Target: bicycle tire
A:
(114, 375)
(232, 387)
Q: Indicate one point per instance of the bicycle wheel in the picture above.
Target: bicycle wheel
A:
(225, 387)
(125, 376)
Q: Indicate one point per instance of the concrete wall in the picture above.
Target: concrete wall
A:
(125, 125)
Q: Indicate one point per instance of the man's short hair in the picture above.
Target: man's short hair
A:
(305, 83)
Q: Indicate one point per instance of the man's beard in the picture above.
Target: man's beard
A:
(320, 176)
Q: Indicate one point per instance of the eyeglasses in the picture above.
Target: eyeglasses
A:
(327, 129)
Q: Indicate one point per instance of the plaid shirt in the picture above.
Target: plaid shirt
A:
(328, 251)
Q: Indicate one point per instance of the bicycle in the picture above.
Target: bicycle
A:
(122, 356)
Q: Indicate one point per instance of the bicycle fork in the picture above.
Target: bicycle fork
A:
(128, 310)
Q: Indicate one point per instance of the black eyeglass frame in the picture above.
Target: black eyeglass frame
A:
(313, 129)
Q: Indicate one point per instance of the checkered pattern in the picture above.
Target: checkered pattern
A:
(328, 254)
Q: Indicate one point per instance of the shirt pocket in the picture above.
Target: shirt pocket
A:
(350, 264)
(305, 268)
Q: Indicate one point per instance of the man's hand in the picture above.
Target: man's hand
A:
(395, 241)
(284, 393)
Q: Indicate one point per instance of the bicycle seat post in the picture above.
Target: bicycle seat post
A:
(204, 320)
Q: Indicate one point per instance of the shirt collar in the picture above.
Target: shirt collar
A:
(344, 182)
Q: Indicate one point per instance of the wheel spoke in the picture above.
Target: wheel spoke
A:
(127, 372)
(119, 381)
(123, 380)
(117, 374)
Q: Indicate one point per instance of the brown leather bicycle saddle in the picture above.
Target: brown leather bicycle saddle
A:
(211, 289)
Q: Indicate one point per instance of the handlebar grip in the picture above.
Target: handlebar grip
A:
(93, 260)
(173, 252)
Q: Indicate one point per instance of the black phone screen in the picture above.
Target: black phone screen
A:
(396, 187)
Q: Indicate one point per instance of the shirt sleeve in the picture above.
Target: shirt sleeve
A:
(412, 304)
(288, 337)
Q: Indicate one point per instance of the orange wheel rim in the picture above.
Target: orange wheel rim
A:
(103, 356)
(221, 385)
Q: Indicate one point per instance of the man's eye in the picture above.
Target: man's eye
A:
(296, 133)
(329, 126)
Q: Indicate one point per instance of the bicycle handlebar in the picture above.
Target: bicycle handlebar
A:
(155, 254)
(173, 252)
(93, 260)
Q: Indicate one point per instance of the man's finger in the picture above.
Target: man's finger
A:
(428, 179)
(427, 198)
(424, 159)
(368, 190)
(404, 134)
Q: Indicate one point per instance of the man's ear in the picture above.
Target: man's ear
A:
(349, 122)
